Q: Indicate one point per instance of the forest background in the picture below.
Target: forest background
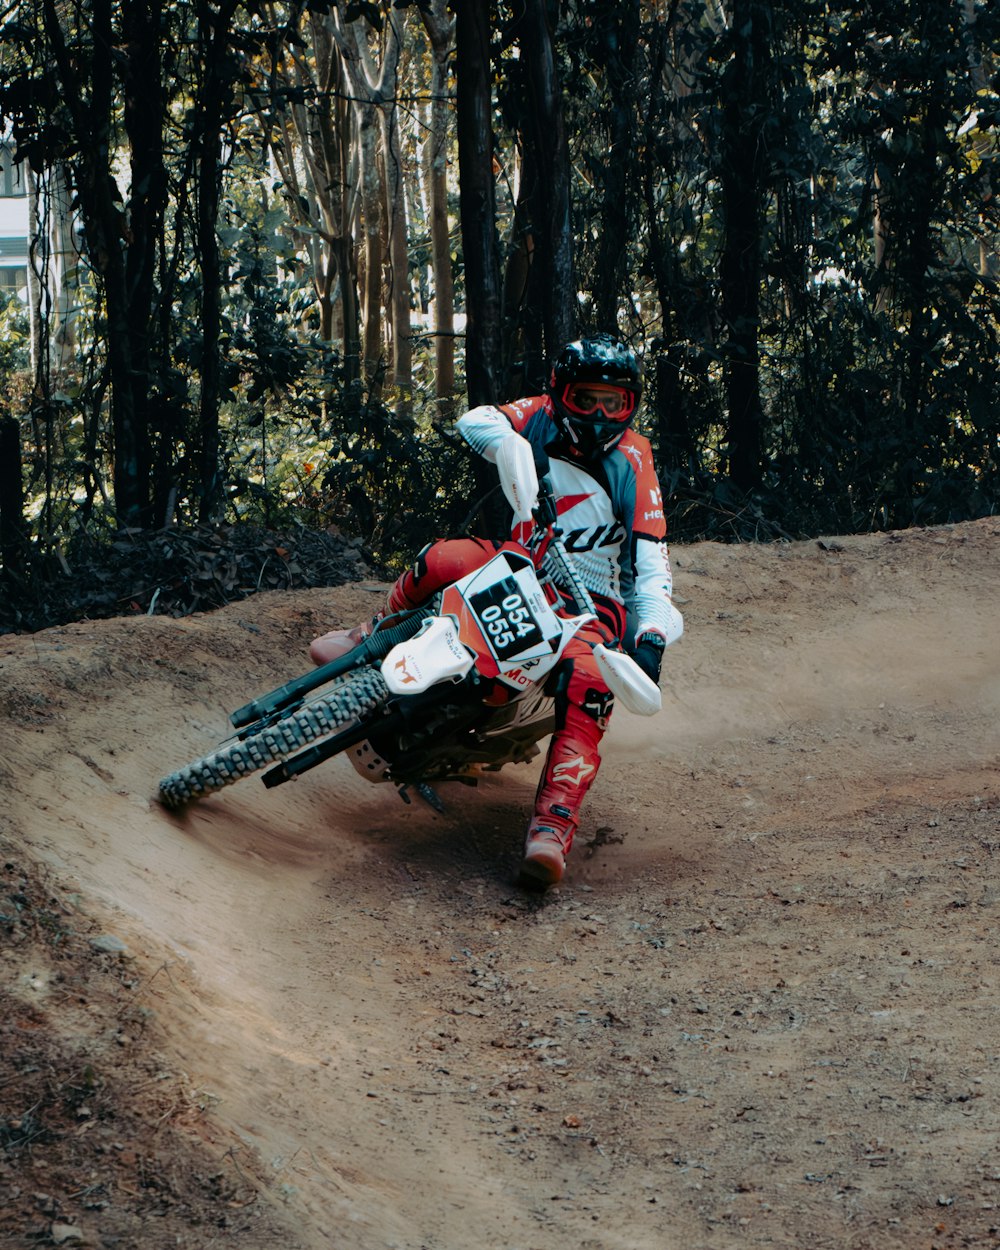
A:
(277, 247)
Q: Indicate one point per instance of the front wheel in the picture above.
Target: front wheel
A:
(359, 694)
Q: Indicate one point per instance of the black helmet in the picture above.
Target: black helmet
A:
(596, 385)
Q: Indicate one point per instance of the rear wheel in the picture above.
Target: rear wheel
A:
(359, 694)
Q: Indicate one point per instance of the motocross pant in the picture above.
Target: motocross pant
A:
(583, 702)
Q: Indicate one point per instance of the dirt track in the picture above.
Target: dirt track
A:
(761, 1010)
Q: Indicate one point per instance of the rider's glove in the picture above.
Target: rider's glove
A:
(545, 512)
(649, 654)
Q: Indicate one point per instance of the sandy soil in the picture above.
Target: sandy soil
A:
(760, 1011)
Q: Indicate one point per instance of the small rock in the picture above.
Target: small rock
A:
(108, 942)
(62, 1234)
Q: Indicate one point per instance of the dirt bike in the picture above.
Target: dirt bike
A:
(440, 692)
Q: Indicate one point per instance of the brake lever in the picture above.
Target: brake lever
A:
(544, 511)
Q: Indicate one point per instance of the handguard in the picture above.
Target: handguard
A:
(518, 475)
(626, 681)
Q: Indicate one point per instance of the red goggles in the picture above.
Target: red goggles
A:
(591, 399)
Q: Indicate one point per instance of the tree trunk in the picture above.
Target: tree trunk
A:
(523, 280)
(440, 31)
(345, 251)
(547, 151)
(617, 165)
(36, 322)
(383, 201)
(12, 529)
(742, 176)
(539, 297)
(88, 91)
(372, 208)
(65, 267)
(477, 199)
(398, 251)
(213, 31)
(144, 111)
(310, 138)
(121, 243)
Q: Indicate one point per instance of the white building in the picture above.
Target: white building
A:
(36, 213)
(13, 227)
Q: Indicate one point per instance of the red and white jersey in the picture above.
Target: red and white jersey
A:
(610, 511)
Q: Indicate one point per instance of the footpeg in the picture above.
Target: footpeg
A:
(426, 792)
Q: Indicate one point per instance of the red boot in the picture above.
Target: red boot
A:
(438, 565)
(545, 851)
(338, 642)
(570, 768)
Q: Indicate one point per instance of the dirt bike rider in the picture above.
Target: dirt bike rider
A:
(610, 511)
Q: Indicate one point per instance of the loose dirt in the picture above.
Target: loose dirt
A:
(761, 1010)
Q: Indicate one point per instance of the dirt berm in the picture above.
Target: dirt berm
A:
(761, 1011)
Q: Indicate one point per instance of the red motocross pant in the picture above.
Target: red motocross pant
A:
(583, 701)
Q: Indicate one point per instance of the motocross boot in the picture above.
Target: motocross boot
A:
(545, 851)
(436, 566)
(570, 768)
(338, 642)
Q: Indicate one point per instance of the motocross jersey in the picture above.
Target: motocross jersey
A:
(610, 511)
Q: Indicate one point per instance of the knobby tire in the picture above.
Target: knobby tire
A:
(357, 695)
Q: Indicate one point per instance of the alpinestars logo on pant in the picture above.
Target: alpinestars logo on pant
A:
(573, 771)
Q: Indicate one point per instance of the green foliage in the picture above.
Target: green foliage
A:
(14, 344)
(878, 371)
(869, 135)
